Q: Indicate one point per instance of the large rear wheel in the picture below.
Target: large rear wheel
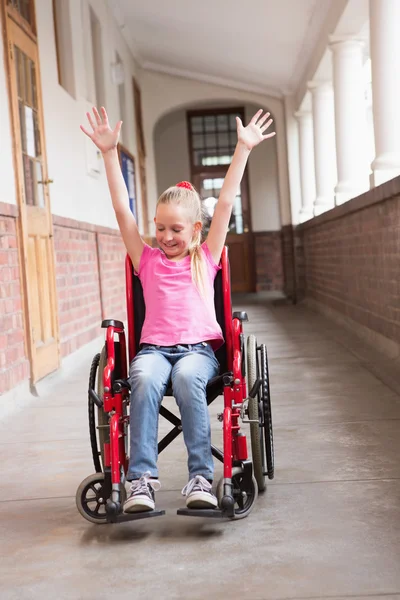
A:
(267, 414)
(255, 414)
(98, 419)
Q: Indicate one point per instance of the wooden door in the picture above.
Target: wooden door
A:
(239, 238)
(212, 141)
(35, 222)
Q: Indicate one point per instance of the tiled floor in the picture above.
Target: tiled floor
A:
(327, 527)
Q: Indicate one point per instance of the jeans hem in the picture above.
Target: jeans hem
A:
(134, 476)
(206, 474)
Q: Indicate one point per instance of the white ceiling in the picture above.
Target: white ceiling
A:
(260, 45)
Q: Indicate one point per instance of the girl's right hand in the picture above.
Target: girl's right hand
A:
(103, 136)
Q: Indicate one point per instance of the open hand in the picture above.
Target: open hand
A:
(253, 134)
(103, 136)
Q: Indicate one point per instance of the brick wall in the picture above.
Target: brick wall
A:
(90, 280)
(288, 262)
(352, 259)
(112, 255)
(268, 254)
(299, 265)
(77, 282)
(14, 365)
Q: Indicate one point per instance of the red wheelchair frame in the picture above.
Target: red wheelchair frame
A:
(238, 488)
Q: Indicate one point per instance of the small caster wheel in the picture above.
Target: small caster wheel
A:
(244, 496)
(92, 496)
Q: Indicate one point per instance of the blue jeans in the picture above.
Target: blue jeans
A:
(190, 368)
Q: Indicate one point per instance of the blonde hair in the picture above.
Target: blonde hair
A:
(185, 195)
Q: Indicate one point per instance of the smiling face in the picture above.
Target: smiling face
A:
(174, 230)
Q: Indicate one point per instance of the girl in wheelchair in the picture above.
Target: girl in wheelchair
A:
(180, 331)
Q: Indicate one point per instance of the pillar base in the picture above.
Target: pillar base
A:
(306, 214)
(344, 193)
(382, 175)
(321, 205)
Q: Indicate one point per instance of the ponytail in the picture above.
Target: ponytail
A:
(197, 264)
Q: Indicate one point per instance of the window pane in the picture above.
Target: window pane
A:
(33, 85)
(38, 149)
(210, 189)
(19, 72)
(224, 159)
(232, 122)
(198, 156)
(222, 122)
(30, 132)
(238, 224)
(22, 126)
(211, 140)
(223, 140)
(209, 123)
(213, 184)
(28, 80)
(24, 9)
(29, 178)
(198, 141)
(197, 124)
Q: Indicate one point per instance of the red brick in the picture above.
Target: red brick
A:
(351, 263)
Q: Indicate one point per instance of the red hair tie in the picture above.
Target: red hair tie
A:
(185, 184)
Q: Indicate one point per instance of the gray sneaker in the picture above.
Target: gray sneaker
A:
(141, 497)
(198, 493)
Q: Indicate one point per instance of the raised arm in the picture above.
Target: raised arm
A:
(106, 141)
(248, 138)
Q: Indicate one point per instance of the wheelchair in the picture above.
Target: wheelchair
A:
(100, 496)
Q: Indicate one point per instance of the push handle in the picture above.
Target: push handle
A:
(95, 398)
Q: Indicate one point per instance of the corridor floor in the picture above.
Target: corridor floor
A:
(327, 527)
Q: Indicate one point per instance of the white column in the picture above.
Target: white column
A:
(307, 175)
(350, 119)
(385, 63)
(324, 145)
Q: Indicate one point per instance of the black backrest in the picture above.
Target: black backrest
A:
(140, 311)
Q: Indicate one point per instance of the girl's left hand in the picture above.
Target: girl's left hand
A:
(253, 134)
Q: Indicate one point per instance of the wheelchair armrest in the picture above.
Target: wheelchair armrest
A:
(241, 315)
(112, 323)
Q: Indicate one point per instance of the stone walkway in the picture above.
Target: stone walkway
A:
(327, 527)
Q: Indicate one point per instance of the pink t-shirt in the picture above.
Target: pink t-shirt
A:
(176, 313)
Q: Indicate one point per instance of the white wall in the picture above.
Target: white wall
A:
(263, 182)
(173, 164)
(75, 193)
(171, 151)
(162, 94)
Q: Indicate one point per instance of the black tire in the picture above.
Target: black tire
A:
(245, 498)
(255, 414)
(98, 419)
(91, 498)
(266, 404)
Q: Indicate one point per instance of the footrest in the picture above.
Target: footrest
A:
(213, 513)
(122, 517)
